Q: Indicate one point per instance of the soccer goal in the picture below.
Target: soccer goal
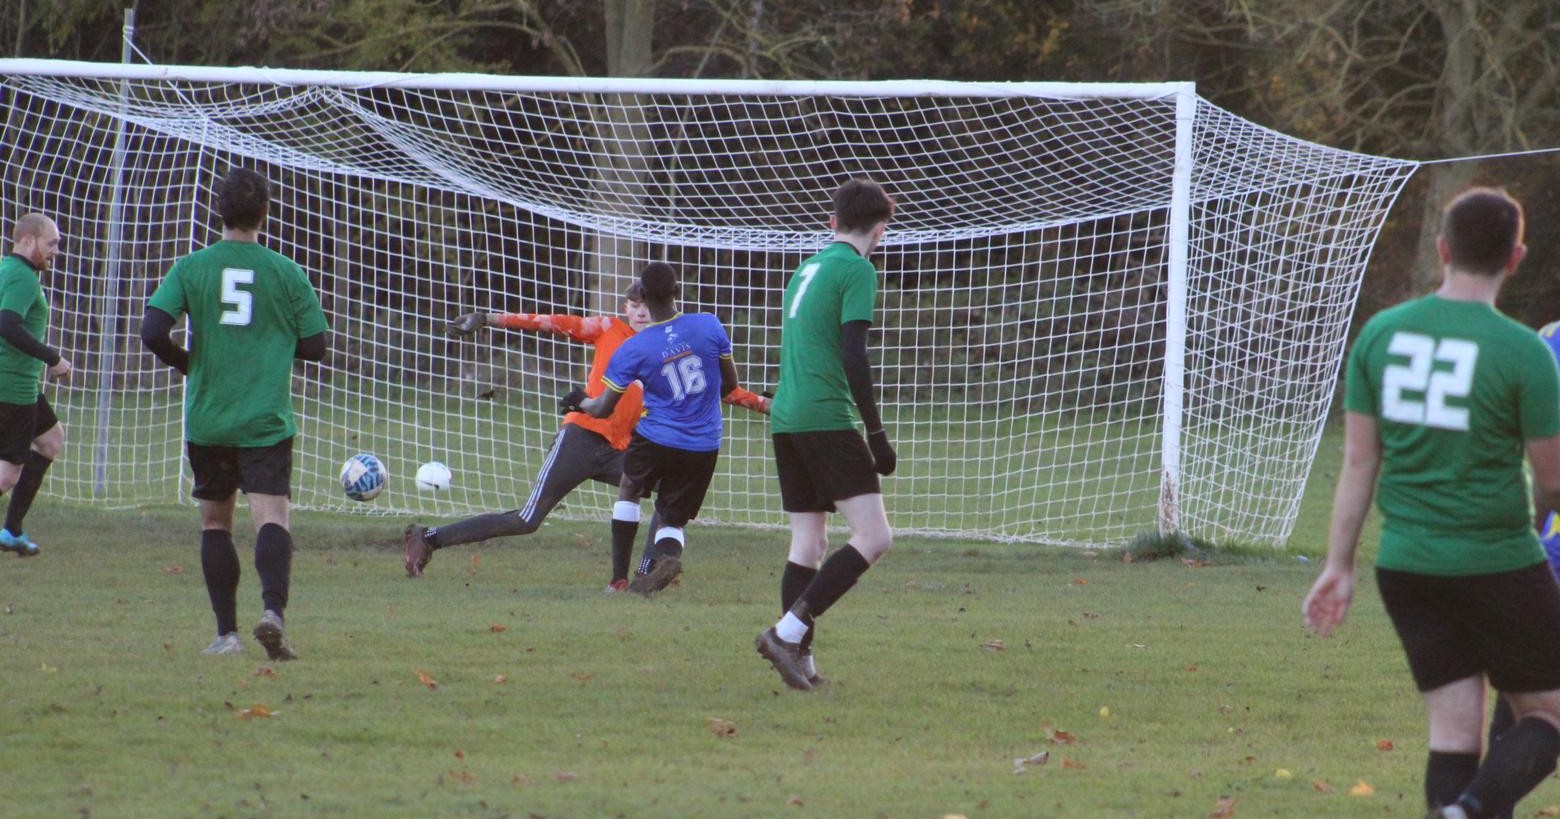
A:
(1105, 309)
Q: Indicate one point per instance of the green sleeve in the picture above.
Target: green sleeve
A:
(308, 316)
(17, 294)
(169, 296)
(859, 296)
(1359, 395)
(1540, 392)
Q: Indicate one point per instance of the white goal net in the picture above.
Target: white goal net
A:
(1104, 309)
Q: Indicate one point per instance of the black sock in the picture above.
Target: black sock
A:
(1447, 774)
(1524, 757)
(835, 577)
(273, 562)
(26, 489)
(793, 581)
(623, 534)
(219, 563)
(669, 547)
(1501, 720)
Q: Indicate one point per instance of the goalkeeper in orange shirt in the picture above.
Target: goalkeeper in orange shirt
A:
(585, 448)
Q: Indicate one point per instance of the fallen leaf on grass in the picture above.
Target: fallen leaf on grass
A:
(1385, 745)
(173, 570)
(47, 669)
(427, 679)
(794, 801)
(459, 754)
(1022, 763)
(1224, 808)
(1078, 581)
(582, 676)
(501, 679)
(266, 671)
(993, 645)
(256, 711)
(463, 777)
(566, 776)
(1321, 786)
(1362, 788)
(498, 629)
(1552, 810)
(1059, 737)
(1073, 764)
(721, 727)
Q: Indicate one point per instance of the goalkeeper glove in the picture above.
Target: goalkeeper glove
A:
(571, 402)
(467, 323)
(883, 458)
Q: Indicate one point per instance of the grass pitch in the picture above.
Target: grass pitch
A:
(505, 684)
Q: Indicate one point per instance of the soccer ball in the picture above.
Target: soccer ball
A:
(433, 476)
(363, 477)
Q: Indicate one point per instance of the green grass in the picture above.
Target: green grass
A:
(608, 705)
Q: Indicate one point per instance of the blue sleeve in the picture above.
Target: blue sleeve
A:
(623, 367)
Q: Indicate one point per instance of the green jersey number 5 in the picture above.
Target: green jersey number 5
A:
(1440, 388)
(240, 302)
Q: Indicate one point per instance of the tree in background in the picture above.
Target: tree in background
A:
(1425, 79)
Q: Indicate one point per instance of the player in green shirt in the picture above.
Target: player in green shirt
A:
(31, 436)
(251, 312)
(823, 462)
(1443, 398)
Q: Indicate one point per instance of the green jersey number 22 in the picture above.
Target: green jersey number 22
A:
(1439, 387)
(240, 302)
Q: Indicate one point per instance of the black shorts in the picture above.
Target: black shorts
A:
(818, 468)
(1504, 625)
(222, 470)
(20, 424)
(681, 478)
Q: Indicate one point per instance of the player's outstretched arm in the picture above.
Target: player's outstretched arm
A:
(575, 327)
(156, 325)
(858, 374)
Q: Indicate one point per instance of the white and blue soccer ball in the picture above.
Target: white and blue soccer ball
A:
(433, 477)
(363, 477)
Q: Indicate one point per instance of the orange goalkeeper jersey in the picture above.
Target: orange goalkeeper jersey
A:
(605, 333)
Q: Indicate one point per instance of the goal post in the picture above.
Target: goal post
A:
(1104, 308)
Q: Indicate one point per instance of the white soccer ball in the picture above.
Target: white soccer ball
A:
(433, 477)
(363, 477)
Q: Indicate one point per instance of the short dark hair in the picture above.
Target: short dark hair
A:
(860, 205)
(243, 197)
(1481, 226)
(659, 281)
(635, 292)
